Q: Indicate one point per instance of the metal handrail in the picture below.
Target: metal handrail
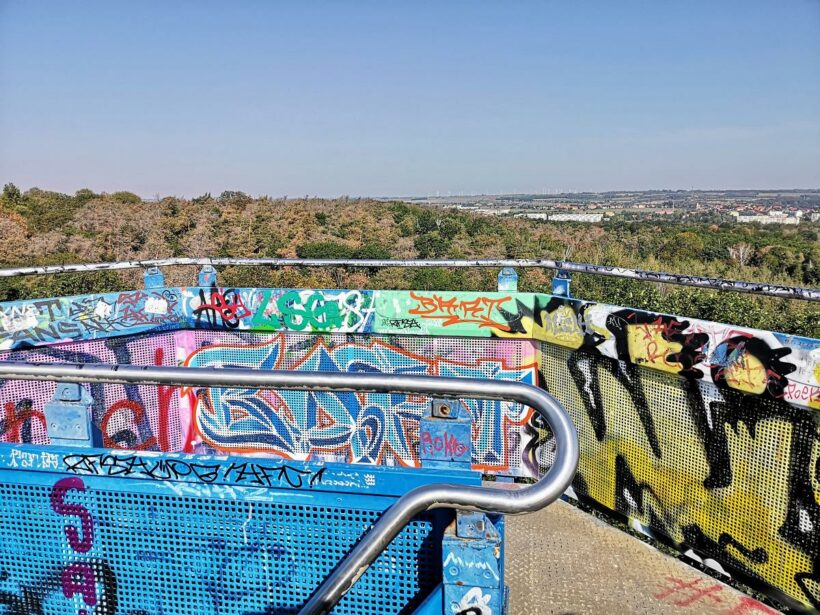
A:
(756, 288)
(509, 501)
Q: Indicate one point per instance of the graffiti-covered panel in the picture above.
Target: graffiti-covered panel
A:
(703, 432)
(452, 313)
(341, 311)
(46, 321)
(138, 534)
(756, 362)
(361, 428)
(373, 428)
(726, 475)
(759, 363)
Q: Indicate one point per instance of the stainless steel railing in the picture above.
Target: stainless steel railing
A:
(756, 288)
(509, 501)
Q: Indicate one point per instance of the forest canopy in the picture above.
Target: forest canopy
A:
(44, 227)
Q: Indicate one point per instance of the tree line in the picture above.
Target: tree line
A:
(44, 227)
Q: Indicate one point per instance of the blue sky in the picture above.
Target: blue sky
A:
(389, 98)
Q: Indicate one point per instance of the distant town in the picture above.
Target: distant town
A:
(742, 206)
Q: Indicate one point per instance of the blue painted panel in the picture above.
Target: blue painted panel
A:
(134, 533)
(123, 467)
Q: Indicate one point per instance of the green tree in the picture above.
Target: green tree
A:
(373, 251)
(126, 197)
(782, 260)
(234, 197)
(325, 249)
(83, 195)
(11, 195)
(682, 246)
(431, 245)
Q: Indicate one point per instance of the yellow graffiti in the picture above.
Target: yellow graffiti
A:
(648, 348)
(746, 373)
(561, 327)
(745, 517)
(814, 394)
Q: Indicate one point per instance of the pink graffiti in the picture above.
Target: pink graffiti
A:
(76, 577)
(61, 507)
(447, 443)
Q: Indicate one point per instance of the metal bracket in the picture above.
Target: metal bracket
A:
(560, 283)
(153, 278)
(508, 280)
(445, 436)
(475, 525)
(68, 416)
(473, 572)
(207, 276)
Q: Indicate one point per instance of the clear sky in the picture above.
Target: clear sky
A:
(389, 98)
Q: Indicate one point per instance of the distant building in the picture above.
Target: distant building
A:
(575, 217)
(564, 217)
(492, 211)
(776, 217)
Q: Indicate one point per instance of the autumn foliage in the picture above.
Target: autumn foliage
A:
(42, 227)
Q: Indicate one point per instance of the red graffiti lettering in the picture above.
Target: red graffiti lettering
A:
(454, 311)
(749, 606)
(446, 443)
(164, 396)
(227, 305)
(137, 415)
(17, 417)
(686, 593)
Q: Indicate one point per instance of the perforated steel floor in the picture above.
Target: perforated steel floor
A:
(563, 561)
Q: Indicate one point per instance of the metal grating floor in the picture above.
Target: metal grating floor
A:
(563, 561)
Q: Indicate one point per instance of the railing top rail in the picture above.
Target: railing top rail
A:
(428, 497)
(756, 288)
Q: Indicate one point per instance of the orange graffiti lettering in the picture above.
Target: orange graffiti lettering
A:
(455, 311)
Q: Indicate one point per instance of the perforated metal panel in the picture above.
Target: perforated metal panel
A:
(142, 553)
(143, 417)
(369, 428)
(729, 475)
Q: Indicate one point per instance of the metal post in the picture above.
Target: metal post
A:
(445, 436)
(508, 280)
(68, 417)
(207, 276)
(471, 545)
(560, 283)
(472, 570)
(153, 278)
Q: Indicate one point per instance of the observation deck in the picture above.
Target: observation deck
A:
(228, 450)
